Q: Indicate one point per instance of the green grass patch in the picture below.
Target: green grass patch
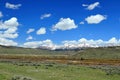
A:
(47, 71)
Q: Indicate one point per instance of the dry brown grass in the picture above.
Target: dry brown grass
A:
(60, 59)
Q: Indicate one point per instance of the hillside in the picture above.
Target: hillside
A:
(21, 63)
(86, 53)
(99, 53)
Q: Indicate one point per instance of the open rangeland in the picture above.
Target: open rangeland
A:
(54, 71)
(36, 64)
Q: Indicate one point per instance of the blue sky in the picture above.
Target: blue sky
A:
(59, 20)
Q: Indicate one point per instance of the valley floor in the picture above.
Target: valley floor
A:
(55, 71)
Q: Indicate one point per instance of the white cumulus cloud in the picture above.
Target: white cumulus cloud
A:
(64, 24)
(30, 30)
(113, 41)
(36, 44)
(29, 38)
(7, 42)
(45, 16)
(83, 42)
(42, 30)
(11, 23)
(91, 6)
(91, 43)
(12, 6)
(8, 28)
(95, 19)
(8, 31)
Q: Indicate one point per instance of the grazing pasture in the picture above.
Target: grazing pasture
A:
(36, 64)
(54, 71)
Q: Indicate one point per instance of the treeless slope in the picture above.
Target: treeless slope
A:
(59, 59)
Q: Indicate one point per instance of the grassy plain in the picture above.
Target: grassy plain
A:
(37, 64)
(36, 71)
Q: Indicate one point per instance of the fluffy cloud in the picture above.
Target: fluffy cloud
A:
(36, 44)
(95, 19)
(29, 38)
(7, 35)
(12, 6)
(1, 15)
(11, 22)
(8, 30)
(48, 44)
(30, 30)
(7, 42)
(64, 24)
(91, 6)
(82, 22)
(113, 41)
(42, 30)
(90, 43)
(45, 16)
